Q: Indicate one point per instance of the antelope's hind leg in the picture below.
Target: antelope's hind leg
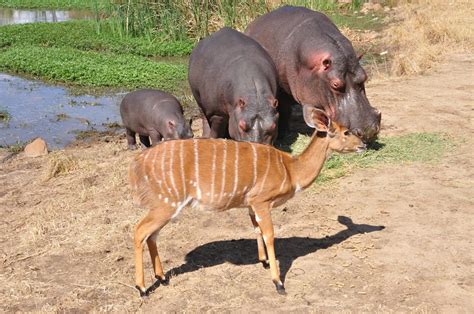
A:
(262, 254)
(264, 220)
(147, 230)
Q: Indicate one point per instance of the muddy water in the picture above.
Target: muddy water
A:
(51, 112)
(14, 16)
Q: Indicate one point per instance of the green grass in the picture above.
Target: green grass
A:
(4, 116)
(83, 35)
(88, 68)
(413, 147)
(52, 4)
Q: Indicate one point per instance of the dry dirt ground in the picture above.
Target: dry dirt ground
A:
(66, 243)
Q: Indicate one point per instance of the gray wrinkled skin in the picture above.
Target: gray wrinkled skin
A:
(155, 116)
(317, 66)
(234, 82)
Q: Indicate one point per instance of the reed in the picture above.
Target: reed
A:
(195, 19)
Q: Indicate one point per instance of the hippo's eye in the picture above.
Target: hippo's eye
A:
(347, 133)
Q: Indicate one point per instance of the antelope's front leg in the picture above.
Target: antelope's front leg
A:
(262, 254)
(264, 220)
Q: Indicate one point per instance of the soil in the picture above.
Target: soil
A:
(394, 238)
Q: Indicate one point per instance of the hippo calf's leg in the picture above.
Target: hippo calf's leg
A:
(219, 127)
(145, 140)
(131, 139)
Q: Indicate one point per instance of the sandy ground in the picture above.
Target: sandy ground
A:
(66, 243)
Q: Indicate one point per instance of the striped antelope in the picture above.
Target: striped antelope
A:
(222, 174)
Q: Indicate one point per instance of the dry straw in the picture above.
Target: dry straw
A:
(426, 31)
(59, 163)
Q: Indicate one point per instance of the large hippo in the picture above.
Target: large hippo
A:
(316, 66)
(154, 115)
(234, 82)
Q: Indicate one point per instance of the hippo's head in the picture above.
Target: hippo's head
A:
(177, 128)
(254, 120)
(332, 79)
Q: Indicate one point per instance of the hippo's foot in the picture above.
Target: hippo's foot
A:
(265, 264)
(280, 288)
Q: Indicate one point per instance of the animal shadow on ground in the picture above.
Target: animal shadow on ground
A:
(244, 251)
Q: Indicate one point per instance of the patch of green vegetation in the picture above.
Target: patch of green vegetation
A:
(4, 116)
(89, 68)
(16, 148)
(52, 4)
(83, 35)
(413, 147)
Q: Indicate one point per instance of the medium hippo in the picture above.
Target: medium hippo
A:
(316, 66)
(154, 114)
(234, 82)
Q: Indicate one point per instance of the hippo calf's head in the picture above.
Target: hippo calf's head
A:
(177, 128)
(334, 81)
(254, 121)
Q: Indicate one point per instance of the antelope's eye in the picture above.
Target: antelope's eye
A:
(347, 132)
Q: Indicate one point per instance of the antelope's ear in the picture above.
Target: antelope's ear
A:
(316, 118)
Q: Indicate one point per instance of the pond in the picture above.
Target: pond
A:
(36, 109)
(14, 16)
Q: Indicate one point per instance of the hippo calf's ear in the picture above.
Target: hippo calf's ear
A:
(316, 118)
(241, 103)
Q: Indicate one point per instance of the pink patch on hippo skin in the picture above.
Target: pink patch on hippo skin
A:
(320, 61)
(242, 125)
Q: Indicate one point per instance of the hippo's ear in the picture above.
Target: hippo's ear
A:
(171, 124)
(241, 103)
(274, 103)
(316, 118)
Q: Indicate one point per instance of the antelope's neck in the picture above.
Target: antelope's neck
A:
(307, 166)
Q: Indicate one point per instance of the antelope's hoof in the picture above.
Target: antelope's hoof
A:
(165, 281)
(143, 294)
(280, 288)
(265, 264)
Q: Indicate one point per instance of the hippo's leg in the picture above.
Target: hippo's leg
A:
(285, 102)
(219, 127)
(131, 139)
(206, 129)
(155, 137)
(145, 140)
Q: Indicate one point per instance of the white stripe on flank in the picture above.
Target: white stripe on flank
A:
(196, 168)
(224, 160)
(153, 170)
(181, 206)
(213, 171)
(163, 173)
(181, 158)
(284, 171)
(236, 174)
(266, 170)
(255, 158)
(173, 184)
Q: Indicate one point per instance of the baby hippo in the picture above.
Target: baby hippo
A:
(154, 115)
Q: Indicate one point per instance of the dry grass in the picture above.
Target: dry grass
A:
(426, 31)
(59, 163)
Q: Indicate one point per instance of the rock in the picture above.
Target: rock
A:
(36, 148)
